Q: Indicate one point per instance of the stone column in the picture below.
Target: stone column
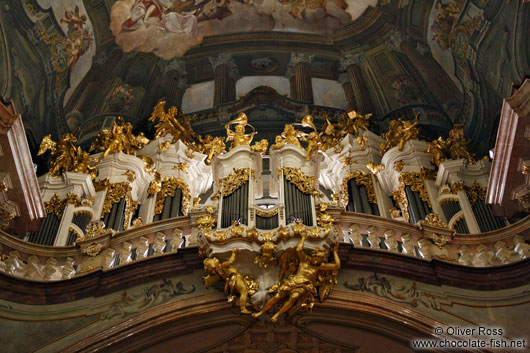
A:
(225, 76)
(173, 82)
(352, 65)
(301, 64)
(440, 84)
(344, 80)
(292, 82)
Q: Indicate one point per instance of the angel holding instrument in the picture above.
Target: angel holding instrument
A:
(238, 135)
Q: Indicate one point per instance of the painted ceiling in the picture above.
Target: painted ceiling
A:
(65, 63)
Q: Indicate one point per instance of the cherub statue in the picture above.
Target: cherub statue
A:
(211, 146)
(313, 143)
(261, 146)
(438, 149)
(169, 124)
(234, 280)
(300, 287)
(119, 139)
(353, 121)
(66, 156)
(238, 135)
(458, 144)
(290, 135)
(399, 132)
(279, 142)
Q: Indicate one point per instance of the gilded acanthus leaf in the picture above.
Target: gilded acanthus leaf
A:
(303, 182)
(234, 180)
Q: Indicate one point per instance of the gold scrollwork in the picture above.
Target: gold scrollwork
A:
(303, 182)
(267, 214)
(234, 180)
(361, 178)
(115, 193)
(169, 185)
(101, 185)
(457, 186)
(475, 192)
(434, 219)
(400, 197)
(416, 183)
(55, 205)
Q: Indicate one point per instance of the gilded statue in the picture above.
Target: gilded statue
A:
(290, 135)
(298, 288)
(211, 146)
(119, 139)
(260, 146)
(234, 280)
(399, 132)
(66, 156)
(455, 147)
(238, 135)
(352, 122)
(458, 144)
(168, 123)
(313, 143)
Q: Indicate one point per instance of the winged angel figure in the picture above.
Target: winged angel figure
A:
(66, 156)
(302, 277)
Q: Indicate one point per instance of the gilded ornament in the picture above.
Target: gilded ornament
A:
(475, 192)
(375, 168)
(398, 165)
(362, 141)
(416, 183)
(6, 215)
(168, 123)
(115, 192)
(439, 240)
(444, 189)
(131, 176)
(457, 186)
(301, 181)
(267, 214)
(137, 222)
(3, 186)
(361, 178)
(525, 169)
(455, 147)
(355, 122)
(399, 132)
(348, 161)
(181, 166)
(168, 187)
(234, 280)
(164, 146)
(400, 197)
(119, 139)
(55, 205)
(66, 157)
(266, 258)
(260, 146)
(101, 185)
(288, 136)
(93, 250)
(238, 135)
(73, 199)
(234, 180)
(302, 277)
(95, 229)
(206, 222)
(434, 219)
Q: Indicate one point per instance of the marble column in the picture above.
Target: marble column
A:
(352, 65)
(344, 80)
(225, 76)
(301, 64)
(289, 74)
(440, 84)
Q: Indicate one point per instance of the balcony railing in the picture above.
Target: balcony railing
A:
(373, 233)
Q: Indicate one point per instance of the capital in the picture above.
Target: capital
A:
(352, 59)
(178, 65)
(222, 59)
(297, 58)
(393, 41)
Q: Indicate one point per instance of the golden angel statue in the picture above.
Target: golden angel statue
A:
(299, 287)
(234, 280)
(399, 132)
(119, 139)
(458, 144)
(211, 146)
(352, 122)
(169, 124)
(66, 156)
(238, 135)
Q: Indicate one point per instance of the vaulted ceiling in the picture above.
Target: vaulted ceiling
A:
(65, 62)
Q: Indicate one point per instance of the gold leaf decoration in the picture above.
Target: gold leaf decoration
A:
(361, 178)
(303, 182)
(234, 180)
(169, 185)
(55, 205)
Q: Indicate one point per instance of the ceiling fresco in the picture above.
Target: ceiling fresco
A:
(77, 29)
(168, 28)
